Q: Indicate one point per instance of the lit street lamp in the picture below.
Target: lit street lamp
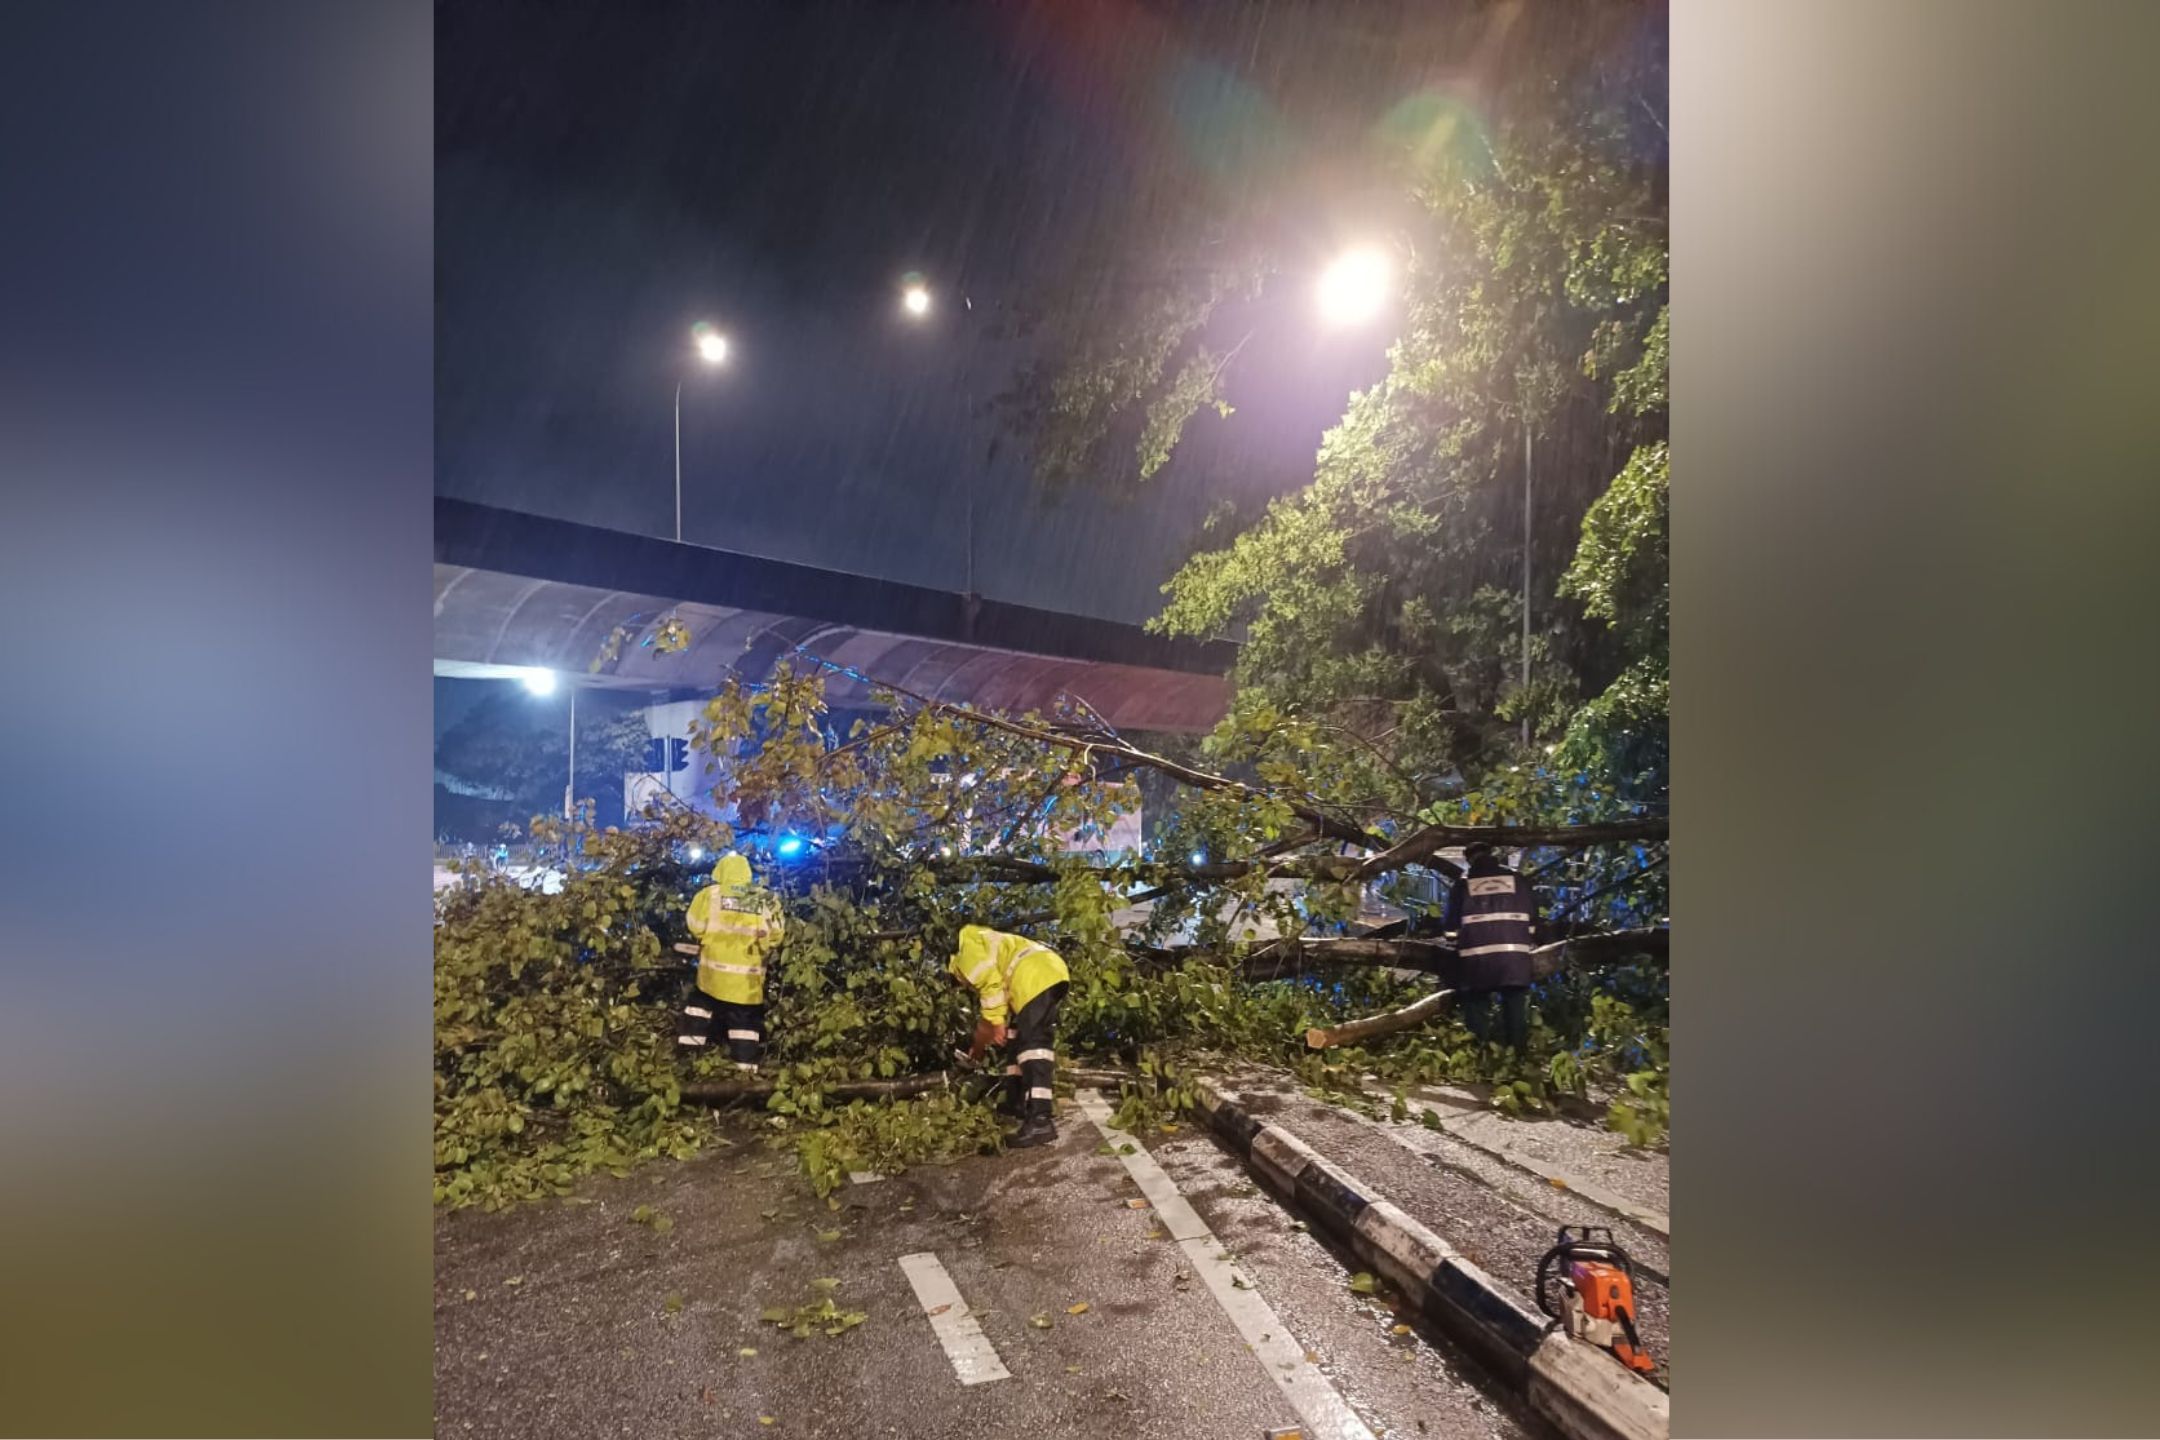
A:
(915, 302)
(712, 348)
(542, 683)
(1355, 286)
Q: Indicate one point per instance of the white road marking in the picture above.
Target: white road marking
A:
(973, 1357)
(1326, 1414)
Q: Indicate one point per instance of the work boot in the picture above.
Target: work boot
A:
(1035, 1130)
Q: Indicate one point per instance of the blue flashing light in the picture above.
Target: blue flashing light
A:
(1199, 857)
(789, 847)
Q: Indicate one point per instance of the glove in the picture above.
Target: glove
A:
(987, 1034)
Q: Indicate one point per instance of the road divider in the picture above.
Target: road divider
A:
(1586, 1394)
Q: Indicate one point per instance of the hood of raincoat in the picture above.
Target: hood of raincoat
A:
(732, 873)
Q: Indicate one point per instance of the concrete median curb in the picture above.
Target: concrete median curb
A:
(1586, 1395)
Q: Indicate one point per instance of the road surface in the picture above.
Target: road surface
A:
(568, 1319)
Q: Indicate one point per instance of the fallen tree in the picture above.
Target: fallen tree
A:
(555, 1053)
(1545, 962)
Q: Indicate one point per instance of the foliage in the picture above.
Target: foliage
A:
(1116, 397)
(821, 1315)
(551, 1058)
(888, 1138)
(554, 1013)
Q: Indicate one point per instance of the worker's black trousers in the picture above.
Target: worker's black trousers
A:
(1477, 1007)
(705, 1020)
(1033, 1048)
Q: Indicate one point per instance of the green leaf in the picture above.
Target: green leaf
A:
(1362, 1284)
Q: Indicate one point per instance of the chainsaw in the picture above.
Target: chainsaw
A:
(1596, 1282)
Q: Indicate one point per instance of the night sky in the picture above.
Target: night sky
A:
(608, 174)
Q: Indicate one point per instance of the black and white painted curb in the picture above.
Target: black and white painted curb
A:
(1585, 1394)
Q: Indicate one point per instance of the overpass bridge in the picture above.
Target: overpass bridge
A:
(514, 591)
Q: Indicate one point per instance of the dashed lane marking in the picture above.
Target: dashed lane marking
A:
(973, 1357)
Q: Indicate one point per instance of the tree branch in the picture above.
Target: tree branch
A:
(1414, 1014)
(1123, 749)
(1545, 961)
(1423, 845)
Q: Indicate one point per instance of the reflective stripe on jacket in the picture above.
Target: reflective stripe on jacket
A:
(1493, 937)
(733, 940)
(1005, 971)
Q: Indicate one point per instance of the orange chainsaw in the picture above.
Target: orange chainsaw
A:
(1596, 1282)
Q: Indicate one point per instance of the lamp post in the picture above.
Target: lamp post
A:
(712, 348)
(542, 683)
(915, 303)
(1526, 579)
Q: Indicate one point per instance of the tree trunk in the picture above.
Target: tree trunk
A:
(723, 1092)
(726, 1092)
(1282, 957)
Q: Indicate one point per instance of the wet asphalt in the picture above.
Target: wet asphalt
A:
(566, 1318)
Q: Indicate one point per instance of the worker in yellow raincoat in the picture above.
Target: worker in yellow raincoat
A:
(737, 925)
(1018, 981)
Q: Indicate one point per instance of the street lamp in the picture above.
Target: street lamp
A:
(1354, 287)
(712, 348)
(915, 303)
(541, 683)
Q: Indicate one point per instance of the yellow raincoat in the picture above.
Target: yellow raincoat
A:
(1005, 971)
(735, 932)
